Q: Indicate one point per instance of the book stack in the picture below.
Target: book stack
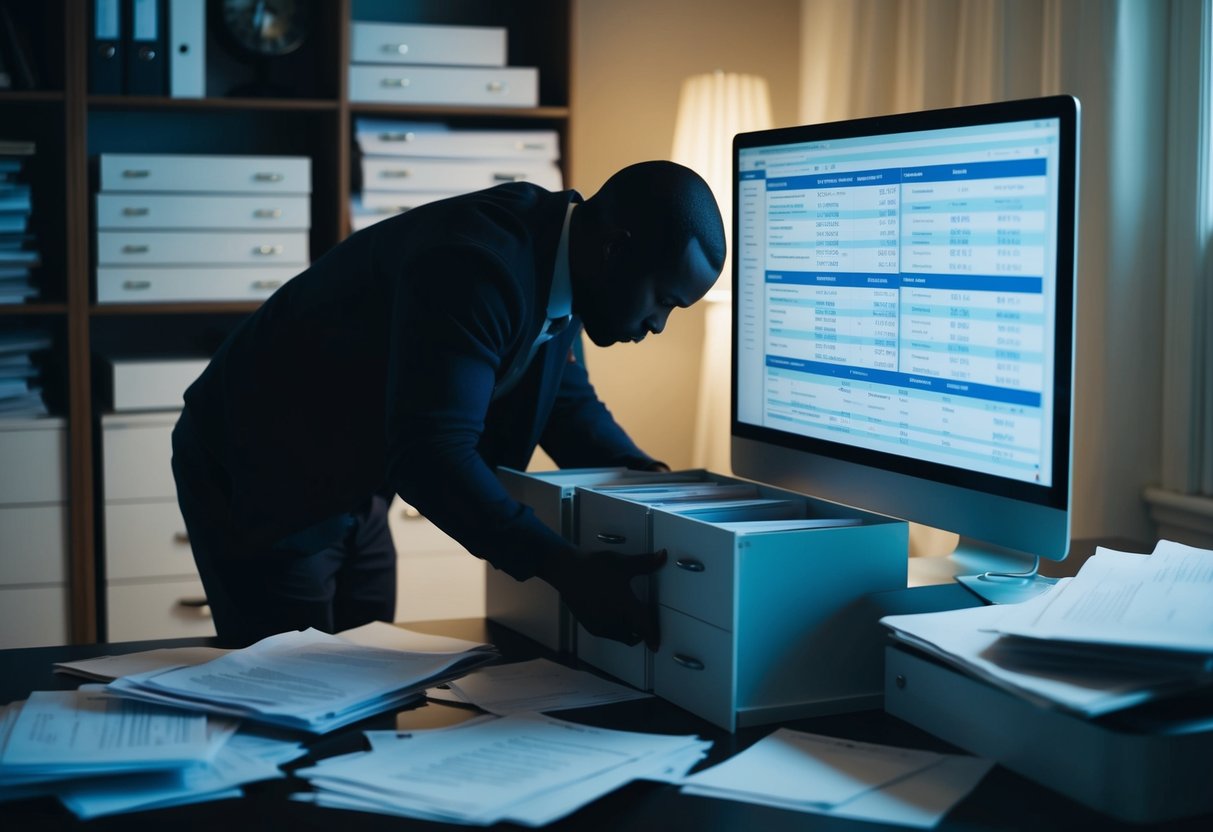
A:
(18, 256)
(409, 163)
(20, 376)
(410, 63)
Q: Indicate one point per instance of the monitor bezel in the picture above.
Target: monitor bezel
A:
(1065, 109)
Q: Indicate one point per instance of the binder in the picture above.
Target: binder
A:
(187, 48)
(145, 47)
(105, 58)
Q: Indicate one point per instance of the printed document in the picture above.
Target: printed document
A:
(537, 685)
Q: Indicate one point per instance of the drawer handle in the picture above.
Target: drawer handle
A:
(197, 605)
(613, 539)
(509, 177)
(394, 82)
(495, 86)
(689, 662)
(136, 174)
(395, 173)
(134, 249)
(267, 213)
(410, 513)
(181, 537)
(268, 250)
(266, 284)
(268, 177)
(136, 284)
(405, 136)
(396, 48)
(689, 564)
(133, 211)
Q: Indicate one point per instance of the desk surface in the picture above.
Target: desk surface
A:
(1002, 801)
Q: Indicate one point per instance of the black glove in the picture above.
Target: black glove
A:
(596, 586)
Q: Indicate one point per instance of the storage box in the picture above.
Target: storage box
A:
(513, 86)
(150, 383)
(422, 43)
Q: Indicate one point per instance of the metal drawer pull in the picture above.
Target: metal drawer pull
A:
(136, 174)
(396, 48)
(394, 82)
(266, 284)
(268, 177)
(613, 539)
(495, 86)
(181, 537)
(689, 564)
(131, 211)
(395, 173)
(688, 662)
(134, 249)
(406, 136)
(509, 177)
(267, 249)
(136, 284)
(197, 605)
(267, 213)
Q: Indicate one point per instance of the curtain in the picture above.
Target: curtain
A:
(867, 57)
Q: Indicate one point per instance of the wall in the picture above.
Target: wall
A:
(629, 60)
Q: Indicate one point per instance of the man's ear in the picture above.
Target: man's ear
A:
(615, 244)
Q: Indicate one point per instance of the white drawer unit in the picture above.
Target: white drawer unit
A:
(34, 609)
(399, 173)
(151, 384)
(419, 43)
(403, 138)
(205, 173)
(167, 284)
(512, 86)
(166, 248)
(128, 211)
(152, 589)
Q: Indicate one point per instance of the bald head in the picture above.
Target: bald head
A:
(649, 241)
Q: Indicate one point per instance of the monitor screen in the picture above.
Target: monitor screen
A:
(904, 316)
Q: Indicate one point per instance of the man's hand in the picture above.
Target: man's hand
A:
(597, 588)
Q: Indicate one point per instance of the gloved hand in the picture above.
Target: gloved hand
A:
(596, 586)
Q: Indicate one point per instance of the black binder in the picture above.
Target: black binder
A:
(105, 59)
(145, 45)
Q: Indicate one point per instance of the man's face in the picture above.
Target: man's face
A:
(628, 298)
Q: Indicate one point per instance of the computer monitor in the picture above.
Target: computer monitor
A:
(903, 322)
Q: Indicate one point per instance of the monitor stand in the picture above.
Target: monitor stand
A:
(994, 574)
(998, 575)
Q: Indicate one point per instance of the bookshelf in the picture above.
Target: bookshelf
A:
(314, 117)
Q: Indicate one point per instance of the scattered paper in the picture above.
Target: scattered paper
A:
(536, 685)
(109, 668)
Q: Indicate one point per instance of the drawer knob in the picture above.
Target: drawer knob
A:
(134, 249)
(394, 173)
(136, 174)
(181, 537)
(267, 249)
(196, 605)
(495, 86)
(401, 136)
(267, 213)
(134, 211)
(689, 564)
(509, 177)
(689, 662)
(396, 48)
(266, 284)
(394, 82)
(268, 177)
(136, 284)
(612, 539)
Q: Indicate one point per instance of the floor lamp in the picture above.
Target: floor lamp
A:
(712, 108)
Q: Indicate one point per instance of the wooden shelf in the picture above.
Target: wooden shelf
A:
(33, 308)
(152, 102)
(183, 308)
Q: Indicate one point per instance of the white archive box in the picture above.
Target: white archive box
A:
(379, 137)
(181, 248)
(391, 173)
(504, 86)
(133, 210)
(150, 383)
(425, 43)
(163, 284)
(205, 173)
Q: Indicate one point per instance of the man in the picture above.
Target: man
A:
(414, 358)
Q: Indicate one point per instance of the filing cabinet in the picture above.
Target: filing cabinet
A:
(498, 86)
(33, 533)
(152, 588)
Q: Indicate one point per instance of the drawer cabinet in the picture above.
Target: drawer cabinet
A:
(412, 43)
(204, 173)
(130, 211)
(33, 533)
(403, 174)
(500, 86)
(152, 284)
(152, 589)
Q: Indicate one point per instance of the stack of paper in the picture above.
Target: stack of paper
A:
(524, 768)
(18, 248)
(810, 773)
(1127, 629)
(101, 755)
(20, 375)
(537, 685)
(308, 681)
